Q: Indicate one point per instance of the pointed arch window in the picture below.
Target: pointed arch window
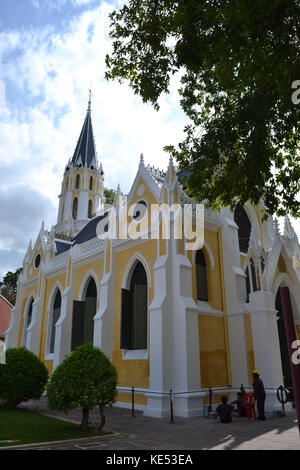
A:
(27, 322)
(77, 183)
(253, 274)
(91, 183)
(244, 227)
(134, 311)
(90, 209)
(201, 276)
(75, 208)
(55, 314)
(83, 316)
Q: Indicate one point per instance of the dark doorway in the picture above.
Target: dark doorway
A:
(83, 317)
(285, 359)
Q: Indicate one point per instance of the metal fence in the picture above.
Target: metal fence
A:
(210, 391)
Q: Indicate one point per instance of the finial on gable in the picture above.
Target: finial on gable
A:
(142, 163)
(171, 165)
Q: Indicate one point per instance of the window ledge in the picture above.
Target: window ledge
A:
(131, 354)
(49, 357)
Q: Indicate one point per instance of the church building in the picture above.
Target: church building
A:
(168, 317)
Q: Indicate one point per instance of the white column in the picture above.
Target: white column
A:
(186, 340)
(235, 294)
(266, 345)
(161, 341)
(34, 329)
(83, 205)
(11, 335)
(104, 318)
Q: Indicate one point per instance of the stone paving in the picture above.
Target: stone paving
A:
(142, 432)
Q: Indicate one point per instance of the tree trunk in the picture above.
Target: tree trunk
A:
(85, 419)
(102, 417)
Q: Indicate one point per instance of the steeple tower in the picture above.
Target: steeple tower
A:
(82, 187)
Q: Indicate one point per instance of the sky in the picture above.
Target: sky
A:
(51, 53)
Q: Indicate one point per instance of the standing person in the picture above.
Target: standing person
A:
(224, 411)
(260, 395)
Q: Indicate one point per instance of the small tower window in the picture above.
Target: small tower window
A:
(77, 182)
(90, 209)
(91, 183)
(201, 276)
(75, 208)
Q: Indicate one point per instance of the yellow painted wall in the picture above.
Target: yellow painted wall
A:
(126, 398)
(213, 362)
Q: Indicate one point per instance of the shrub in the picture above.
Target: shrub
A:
(87, 379)
(22, 378)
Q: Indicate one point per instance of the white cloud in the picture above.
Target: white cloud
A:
(82, 2)
(51, 72)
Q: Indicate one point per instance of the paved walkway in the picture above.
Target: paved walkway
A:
(142, 432)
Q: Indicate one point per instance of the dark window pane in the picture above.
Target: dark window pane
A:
(126, 320)
(140, 316)
(55, 317)
(75, 208)
(201, 276)
(244, 225)
(78, 324)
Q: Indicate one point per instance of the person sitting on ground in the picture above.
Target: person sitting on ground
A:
(239, 403)
(224, 411)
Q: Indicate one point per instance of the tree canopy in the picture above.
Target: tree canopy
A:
(239, 67)
(109, 195)
(87, 379)
(8, 288)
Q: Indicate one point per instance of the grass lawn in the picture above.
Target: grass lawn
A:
(24, 427)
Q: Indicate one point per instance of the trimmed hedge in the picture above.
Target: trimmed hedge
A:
(22, 378)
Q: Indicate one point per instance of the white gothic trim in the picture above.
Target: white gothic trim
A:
(130, 268)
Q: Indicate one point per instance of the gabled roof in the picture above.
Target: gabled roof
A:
(85, 152)
(90, 230)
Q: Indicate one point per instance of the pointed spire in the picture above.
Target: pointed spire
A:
(276, 226)
(90, 100)
(85, 151)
